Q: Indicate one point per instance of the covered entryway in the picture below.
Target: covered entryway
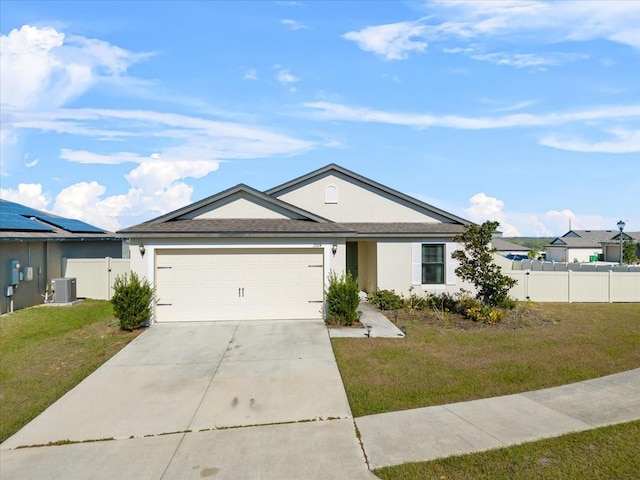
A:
(238, 284)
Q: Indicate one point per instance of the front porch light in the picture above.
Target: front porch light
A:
(334, 249)
(142, 250)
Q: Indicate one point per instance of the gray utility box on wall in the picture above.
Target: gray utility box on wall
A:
(64, 290)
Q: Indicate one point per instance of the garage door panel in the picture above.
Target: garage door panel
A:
(251, 284)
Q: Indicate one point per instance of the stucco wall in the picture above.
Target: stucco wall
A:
(395, 269)
(354, 203)
(27, 293)
(240, 208)
(46, 260)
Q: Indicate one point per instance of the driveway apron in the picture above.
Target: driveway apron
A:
(238, 399)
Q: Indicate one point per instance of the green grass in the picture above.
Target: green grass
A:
(440, 363)
(603, 453)
(46, 351)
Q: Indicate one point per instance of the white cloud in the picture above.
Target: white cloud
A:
(336, 111)
(183, 136)
(251, 74)
(625, 141)
(526, 60)
(617, 21)
(285, 77)
(31, 164)
(42, 67)
(156, 188)
(515, 106)
(483, 208)
(538, 224)
(82, 201)
(292, 24)
(393, 41)
(29, 194)
(154, 176)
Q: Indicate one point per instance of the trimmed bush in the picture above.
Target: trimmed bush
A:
(342, 299)
(132, 301)
(385, 300)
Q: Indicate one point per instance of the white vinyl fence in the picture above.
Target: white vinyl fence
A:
(562, 282)
(95, 276)
(570, 286)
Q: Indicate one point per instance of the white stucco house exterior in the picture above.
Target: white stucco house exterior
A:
(247, 254)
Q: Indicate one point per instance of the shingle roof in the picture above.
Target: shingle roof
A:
(398, 228)
(505, 246)
(228, 226)
(597, 235)
(574, 242)
(283, 227)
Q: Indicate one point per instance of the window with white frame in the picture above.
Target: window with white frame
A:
(433, 264)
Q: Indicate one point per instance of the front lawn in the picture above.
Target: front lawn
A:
(603, 453)
(443, 361)
(46, 351)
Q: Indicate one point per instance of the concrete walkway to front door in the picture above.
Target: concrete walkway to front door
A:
(191, 400)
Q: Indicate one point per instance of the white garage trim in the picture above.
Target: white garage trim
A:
(220, 284)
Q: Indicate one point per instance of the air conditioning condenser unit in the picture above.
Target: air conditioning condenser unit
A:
(64, 290)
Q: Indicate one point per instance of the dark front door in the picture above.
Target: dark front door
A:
(352, 258)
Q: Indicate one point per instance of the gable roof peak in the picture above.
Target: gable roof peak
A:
(333, 167)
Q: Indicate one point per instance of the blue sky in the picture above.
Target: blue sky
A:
(524, 112)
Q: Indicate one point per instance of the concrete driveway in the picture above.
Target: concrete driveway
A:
(195, 400)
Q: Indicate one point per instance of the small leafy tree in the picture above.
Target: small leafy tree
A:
(629, 249)
(131, 301)
(342, 299)
(477, 266)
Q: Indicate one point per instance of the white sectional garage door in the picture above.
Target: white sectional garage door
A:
(238, 284)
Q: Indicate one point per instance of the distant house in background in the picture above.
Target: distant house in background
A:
(34, 245)
(509, 249)
(611, 248)
(584, 245)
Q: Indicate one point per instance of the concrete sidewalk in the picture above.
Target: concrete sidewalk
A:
(381, 326)
(433, 432)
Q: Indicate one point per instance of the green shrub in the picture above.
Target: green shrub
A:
(131, 301)
(342, 299)
(484, 314)
(386, 299)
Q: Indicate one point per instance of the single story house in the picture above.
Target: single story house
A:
(611, 247)
(34, 246)
(247, 254)
(579, 245)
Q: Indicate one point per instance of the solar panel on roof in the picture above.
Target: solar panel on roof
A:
(12, 221)
(69, 224)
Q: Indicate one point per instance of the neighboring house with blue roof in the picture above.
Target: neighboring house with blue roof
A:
(34, 245)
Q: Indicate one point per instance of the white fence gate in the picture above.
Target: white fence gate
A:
(95, 276)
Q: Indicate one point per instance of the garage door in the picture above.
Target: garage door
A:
(246, 284)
